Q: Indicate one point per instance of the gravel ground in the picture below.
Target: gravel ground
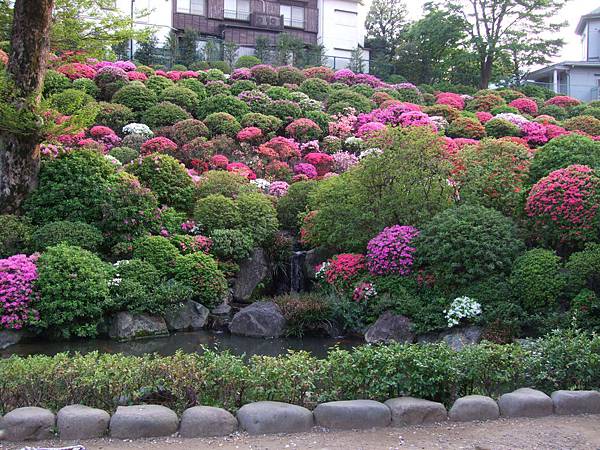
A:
(554, 432)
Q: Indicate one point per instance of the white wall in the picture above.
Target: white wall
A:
(160, 17)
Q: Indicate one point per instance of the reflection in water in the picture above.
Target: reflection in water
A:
(188, 342)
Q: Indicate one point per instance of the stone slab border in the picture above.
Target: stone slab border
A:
(132, 422)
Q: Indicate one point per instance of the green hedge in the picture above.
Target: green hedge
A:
(565, 360)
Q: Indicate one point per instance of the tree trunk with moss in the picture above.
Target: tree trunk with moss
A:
(19, 142)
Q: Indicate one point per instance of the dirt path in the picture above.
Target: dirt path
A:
(555, 432)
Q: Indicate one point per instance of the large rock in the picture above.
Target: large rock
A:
(352, 414)
(314, 258)
(253, 271)
(134, 422)
(260, 319)
(274, 417)
(10, 337)
(27, 424)
(220, 317)
(125, 326)
(525, 402)
(390, 327)
(187, 316)
(456, 338)
(576, 402)
(206, 421)
(415, 411)
(474, 407)
(76, 422)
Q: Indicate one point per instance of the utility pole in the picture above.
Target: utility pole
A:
(131, 39)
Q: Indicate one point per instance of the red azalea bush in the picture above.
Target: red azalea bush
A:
(324, 73)
(564, 205)
(483, 116)
(252, 135)
(219, 162)
(280, 148)
(321, 161)
(137, 76)
(241, 169)
(564, 101)
(17, 292)
(525, 106)
(390, 252)
(77, 70)
(158, 145)
(303, 130)
(343, 270)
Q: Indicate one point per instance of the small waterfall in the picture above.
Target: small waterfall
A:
(297, 275)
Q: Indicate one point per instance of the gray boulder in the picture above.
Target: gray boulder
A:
(220, 317)
(82, 422)
(10, 337)
(206, 421)
(260, 319)
(474, 407)
(456, 338)
(27, 424)
(125, 326)
(576, 402)
(352, 414)
(313, 258)
(415, 411)
(274, 417)
(134, 422)
(525, 402)
(390, 327)
(186, 316)
(253, 271)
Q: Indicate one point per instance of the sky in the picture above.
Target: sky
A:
(572, 51)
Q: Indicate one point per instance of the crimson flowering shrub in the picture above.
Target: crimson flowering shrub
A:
(343, 270)
(17, 294)
(137, 76)
(534, 133)
(525, 106)
(252, 135)
(450, 99)
(321, 161)
(563, 101)
(390, 252)
(280, 148)
(564, 205)
(77, 70)
(303, 130)
(158, 145)
(324, 73)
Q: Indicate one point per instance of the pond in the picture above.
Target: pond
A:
(188, 342)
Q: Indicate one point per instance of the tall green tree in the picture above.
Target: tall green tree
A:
(385, 24)
(230, 50)
(146, 51)
(187, 47)
(356, 63)
(493, 24)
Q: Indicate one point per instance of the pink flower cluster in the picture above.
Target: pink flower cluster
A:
(416, 119)
(450, 99)
(17, 276)
(77, 70)
(278, 188)
(525, 106)
(564, 101)
(565, 203)
(390, 251)
(158, 144)
(321, 161)
(342, 161)
(370, 129)
(250, 134)
(484, 116)
(306, 169)
(534, 133)
(344, 267)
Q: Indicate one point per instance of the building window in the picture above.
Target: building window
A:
(197, 7)
(293, 16)
(237, 9)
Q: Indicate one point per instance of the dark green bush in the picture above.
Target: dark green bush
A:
(158, 84)
(223, 103)
(258, 217)
(164, 114)
(136, 97)
(114, 116)
(558, 112)
(214, 88)
(278, 93)
(216, 211)
(246, 61)
(231, 245)
(181, 96)
(200, 272)
(124, 154)
(221, 182)
(55, 82)
(242, 85)
(222, 123)
(320, 118)
(267, 124)
(73, 287)
(290, 75)
(78, 234)
(295, 202)
(86, 85)
(15, 235)
(348, 97)
(70, 101)
(223, 66)
(584, 269)
(194, 85)
(498, 128)
(187, 130)
(466, 244)
(586, 123)
(158, 251)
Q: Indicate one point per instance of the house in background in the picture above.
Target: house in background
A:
(337, 24)
(579, 79)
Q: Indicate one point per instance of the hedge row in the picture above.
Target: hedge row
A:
(564, 360)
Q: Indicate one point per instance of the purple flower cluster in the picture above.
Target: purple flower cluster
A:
(342, 161)
(416, 119)
(390, 115)
(17, 275)
(278, 188)
(390, 251)
(534, 133)
(305, 169)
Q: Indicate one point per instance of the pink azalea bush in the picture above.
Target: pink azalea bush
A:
(450, 99)
(390, 251)
(305, 169)
(525, 106)
(17, 291)
(77, 70)
(278, 188)
(564, 101)
(158, 144)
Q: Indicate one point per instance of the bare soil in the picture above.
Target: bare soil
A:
(554, 432)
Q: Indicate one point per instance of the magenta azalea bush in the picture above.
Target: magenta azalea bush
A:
(17, 291)
(390, 252)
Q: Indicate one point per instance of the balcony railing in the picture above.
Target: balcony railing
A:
(237, 15)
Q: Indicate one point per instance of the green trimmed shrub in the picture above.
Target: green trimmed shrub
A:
(86, 85)
(164, 114)
(290, 75)
(73, 287)
(320, 118)
(214, 88)
(187, 130)
(181, 96)
(583, 269)
(69, 101)
(587, 124)
(498, 128)
(223, 66)
(466, 244)
(246, 61)
(223, 103)
(136, 97)
(54, 83)
(258, 217)
(278, 93)
(194, 85)
(124, 154)
(558, 112)
(114, 116)
(267, 124)
(167, 178)
(536, 280)
(466, 127)
(158, 84)
(77, 234)
(222, 123)
(231, 245)
(348, 97)
(285, 110)
(15, 235)
(295, 202)
(224, 183)
(158, 251)
(201, 273)
(241, 86)
(215, 211)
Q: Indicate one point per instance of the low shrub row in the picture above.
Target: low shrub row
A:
(562, 360)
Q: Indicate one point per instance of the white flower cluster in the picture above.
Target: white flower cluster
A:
(113, 160)
(354, 143)
(369, 291)
(369, 152)
(116, 280)
(138, 128)
(262, 184)
(462, 308)
(320, 274)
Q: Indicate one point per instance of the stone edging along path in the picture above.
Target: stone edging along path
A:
(77, 422)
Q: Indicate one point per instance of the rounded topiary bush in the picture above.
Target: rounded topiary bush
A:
(124, 154)
(55, 82)
(466, 127)
(264, 74)
(466, 244)
(164, 114)
(114, 116)
(290, 75)
(242, 85)
(225, 183)
(223, 103)
(73, 233)
(86, 85)
(222, 123)
(201, 273)
(498, 128)
(73, 287)
(536, 280)
(167, 178)
(70, 101)
(157, 84)
(215, 211)
(137, 97)
(258, 216)
(188, 130)
(266, 123)
(564, 151)
(195, 85)
(587, 124)
(181, 96)
(158, 251)
(246, 61)
(15, 235)
(303, 130)
(231, 245)
(583, 269)
(342, 98)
